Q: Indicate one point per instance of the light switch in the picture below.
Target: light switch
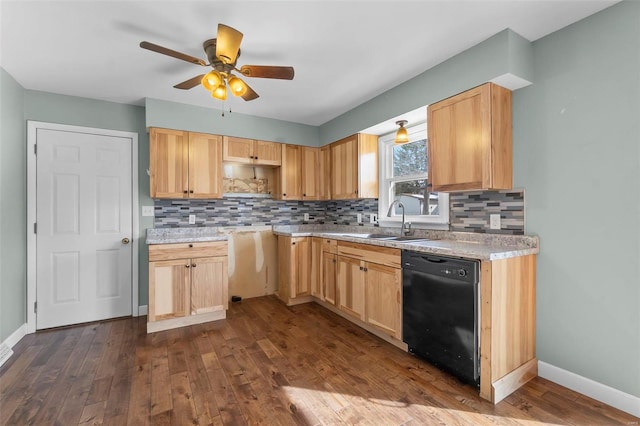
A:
(494, 221)
(147, 211)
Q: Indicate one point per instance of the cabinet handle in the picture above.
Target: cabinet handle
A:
(255, 158)
(191, 191)
(366, 269)
(284, 195)
(304, 195)
(193, 265)
(190, 245)
(293, 244)
(185, 191)
(361, 268)
(187, 266)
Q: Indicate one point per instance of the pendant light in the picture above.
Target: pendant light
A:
(401, 134)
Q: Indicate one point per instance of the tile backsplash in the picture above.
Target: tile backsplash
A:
(469, 212)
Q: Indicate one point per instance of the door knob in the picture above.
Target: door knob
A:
(125, 240)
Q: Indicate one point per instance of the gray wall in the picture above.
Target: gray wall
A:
(53, 108)
(13, 214)
(576, 151)
(209, 120)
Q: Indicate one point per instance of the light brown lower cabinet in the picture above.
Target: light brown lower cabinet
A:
(294, 270)
(364, 284)
(188, 284)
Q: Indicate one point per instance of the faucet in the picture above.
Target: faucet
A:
(405, 229)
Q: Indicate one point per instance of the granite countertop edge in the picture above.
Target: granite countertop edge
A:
(458, 244)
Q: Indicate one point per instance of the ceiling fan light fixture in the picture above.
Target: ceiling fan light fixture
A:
(211, 80)
(237, 86)
(220, 92)
(401, 135)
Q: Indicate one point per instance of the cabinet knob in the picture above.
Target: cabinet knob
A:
(255, 158)
(366, 269)
(193, 265)
(190, 245)
(304, 195)
(293, 244)
(185, 191)
(284, 195)
(187, 266)
(361, 268)
(191, 191)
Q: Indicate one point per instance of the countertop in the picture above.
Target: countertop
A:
(459, 244)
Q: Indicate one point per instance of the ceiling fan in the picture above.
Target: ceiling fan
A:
(222, 53)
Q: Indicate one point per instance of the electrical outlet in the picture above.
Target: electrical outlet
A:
(373, 218)
(359, 216)
(147, 211)
(192, 219)
(494, 221)
(306, 217)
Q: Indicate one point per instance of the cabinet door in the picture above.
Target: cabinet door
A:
(310, 173)
(208, 284)
(286, 268)
(237, 150)
(470, 140)
(344, 168)
(316, 267)
(367, 166)
(267, 153)
(205, 166)
(383, 298)
(324, 179)
(290, 179)
(301, 264)
(351, 297)
(169, 289)
(329, 270)
(168, 163)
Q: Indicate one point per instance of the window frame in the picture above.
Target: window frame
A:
(385, 148)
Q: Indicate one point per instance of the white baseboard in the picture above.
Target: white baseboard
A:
(10, 342)
(142, 310)
(603, 393)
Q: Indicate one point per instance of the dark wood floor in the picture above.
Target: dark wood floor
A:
(264, 364)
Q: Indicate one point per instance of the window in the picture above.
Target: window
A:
(403, 177)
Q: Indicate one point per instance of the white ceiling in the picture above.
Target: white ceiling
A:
(344, 52)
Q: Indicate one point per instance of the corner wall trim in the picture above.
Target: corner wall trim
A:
(142, 310)
(11, 341)
(598, 391)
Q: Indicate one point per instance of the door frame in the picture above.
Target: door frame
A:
(32, 128)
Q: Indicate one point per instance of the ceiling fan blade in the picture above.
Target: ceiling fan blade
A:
(250, 94)
(191, 83)
(228, 44)
(173, 53)
(264, 71)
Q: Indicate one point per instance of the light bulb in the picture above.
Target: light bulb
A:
(237, 86)
(211, 80)
(220, 92)
(401, 134)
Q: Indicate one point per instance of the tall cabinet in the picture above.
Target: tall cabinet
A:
(470, 140)
(354, 167)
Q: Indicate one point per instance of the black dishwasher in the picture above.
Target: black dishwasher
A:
(440, 312)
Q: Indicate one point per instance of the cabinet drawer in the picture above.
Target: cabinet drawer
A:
(375, 254)
(330, 246)
(187, 250)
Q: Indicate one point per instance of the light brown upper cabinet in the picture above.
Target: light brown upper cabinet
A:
(298, 175)
(250, 151)
(289, 179)
(470, 140)
(354, 167)
(324, 167)
(310, 171)
(184, 164)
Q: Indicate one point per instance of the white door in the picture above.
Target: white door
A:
(84, 227)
